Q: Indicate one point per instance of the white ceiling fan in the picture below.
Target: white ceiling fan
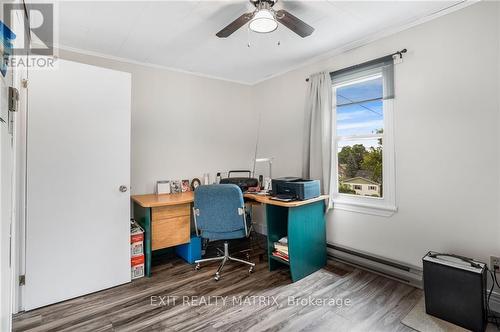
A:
(265, 18)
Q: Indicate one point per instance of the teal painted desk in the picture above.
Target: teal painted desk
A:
(304, 224)
(166, 221)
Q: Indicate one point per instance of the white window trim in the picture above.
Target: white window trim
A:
(385, 206)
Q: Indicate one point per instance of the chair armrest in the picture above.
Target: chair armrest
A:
(195, 213)
(242, 211)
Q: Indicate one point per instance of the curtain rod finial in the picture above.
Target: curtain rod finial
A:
(400, 53)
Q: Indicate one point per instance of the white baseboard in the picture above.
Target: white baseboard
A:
(383, 266)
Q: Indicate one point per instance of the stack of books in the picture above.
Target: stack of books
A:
(281, 249)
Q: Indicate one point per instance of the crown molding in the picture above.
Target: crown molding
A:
(145, 64)
(372, 38)
(324, 56)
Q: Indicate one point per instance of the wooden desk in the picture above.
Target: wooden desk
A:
(166, 221)
(154, 200)
(267, 200)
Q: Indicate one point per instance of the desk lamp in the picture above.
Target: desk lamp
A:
(267, 185)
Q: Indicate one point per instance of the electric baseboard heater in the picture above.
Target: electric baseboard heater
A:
(455, 290)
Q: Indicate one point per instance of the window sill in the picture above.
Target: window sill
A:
(372, 209)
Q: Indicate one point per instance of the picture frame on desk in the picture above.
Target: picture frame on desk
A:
(175, 187)
(162, 187)
(195, 184)
(185, 186)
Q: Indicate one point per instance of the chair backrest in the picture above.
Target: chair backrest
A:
(219, 208)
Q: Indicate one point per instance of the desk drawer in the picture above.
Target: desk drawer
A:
(173, 211)
(170, 232)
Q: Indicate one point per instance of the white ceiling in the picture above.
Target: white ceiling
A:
(181, 34)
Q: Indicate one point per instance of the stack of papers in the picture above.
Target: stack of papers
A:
(281, 249)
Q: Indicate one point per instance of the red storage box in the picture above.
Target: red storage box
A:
(137, 264)
(136, 250)
(136, 240)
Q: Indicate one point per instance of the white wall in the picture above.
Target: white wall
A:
(184, 125)
(446, 131)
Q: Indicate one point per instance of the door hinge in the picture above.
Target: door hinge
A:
(22, 280)
(24, 83)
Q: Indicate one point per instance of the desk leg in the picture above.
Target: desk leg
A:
(306, 239)
(143, 217)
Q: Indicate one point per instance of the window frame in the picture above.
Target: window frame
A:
(381, 206)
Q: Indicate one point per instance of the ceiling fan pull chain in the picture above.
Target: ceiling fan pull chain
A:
(248, 37)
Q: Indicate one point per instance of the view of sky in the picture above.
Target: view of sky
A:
(364, 118)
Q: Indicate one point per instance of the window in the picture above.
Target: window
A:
(363, 138)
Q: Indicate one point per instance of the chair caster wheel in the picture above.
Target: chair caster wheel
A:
(217, 277)
(250, 270)
(197, 266)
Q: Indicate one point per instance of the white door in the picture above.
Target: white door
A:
(6, 172)
(78, 156)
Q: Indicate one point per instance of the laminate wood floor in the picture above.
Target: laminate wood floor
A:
(262, 301)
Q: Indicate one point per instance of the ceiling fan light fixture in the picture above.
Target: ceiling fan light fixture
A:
(263, 22)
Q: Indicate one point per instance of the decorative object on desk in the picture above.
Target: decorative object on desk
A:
(206, 179)
(162, 187)
(175, 186)
(264, 160)
(267, 184)
(218, 178)
(195, 183)
(185, 186)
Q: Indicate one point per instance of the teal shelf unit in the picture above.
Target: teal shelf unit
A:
(305, 228)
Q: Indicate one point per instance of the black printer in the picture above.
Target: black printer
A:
(296, 188)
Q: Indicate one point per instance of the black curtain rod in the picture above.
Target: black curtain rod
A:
(400, 53)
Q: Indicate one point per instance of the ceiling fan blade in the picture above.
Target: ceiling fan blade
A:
(235, 25)
(293, 23)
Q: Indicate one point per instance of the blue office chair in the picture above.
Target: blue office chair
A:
(219, 214)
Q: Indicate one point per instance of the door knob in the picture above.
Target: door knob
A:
(123, 188)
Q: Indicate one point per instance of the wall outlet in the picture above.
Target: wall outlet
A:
(494, 263)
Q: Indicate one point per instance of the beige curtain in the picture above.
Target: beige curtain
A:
(317, 163)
